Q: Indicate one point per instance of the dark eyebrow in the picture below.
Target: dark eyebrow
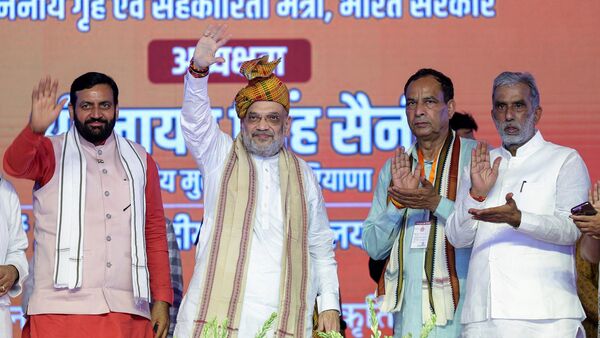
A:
(270, 113)
(522, 101)
(89, 102)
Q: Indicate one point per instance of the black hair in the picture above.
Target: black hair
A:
(462, 121)
(89, 80)
(445, 82)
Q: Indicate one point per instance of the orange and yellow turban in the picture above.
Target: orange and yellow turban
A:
(263, 85)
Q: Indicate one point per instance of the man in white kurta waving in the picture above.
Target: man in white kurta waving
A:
(514, 210)
(265, 245)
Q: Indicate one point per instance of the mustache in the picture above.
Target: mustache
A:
(266, 132)
(504, 125)
(96, 119)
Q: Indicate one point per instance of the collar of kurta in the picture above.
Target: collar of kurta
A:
(530, 147)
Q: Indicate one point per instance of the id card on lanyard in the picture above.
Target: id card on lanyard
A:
(420, 235)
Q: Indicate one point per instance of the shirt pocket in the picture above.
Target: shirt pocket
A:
(536, 197)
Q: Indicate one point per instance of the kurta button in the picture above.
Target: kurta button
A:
(108, 216)
(108, 265)
(104, 171)
(99, 152)
(106, 193)
(108, 238)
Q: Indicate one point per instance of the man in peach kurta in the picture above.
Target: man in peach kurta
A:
(101, 250)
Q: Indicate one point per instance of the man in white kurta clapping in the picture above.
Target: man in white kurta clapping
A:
(514, 209)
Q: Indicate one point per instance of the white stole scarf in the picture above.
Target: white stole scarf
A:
(70, 224)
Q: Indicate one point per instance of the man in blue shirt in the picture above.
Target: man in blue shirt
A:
(415, 194)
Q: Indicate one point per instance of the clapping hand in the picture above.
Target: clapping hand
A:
(483, 175)
(405, 184)
(402, 175)
(507, 213)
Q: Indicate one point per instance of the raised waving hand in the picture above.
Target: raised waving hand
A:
(213, 38)
(44, 109)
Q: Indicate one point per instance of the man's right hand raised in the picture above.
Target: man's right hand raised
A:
(483, 174)
(213, 38)
(44, 109)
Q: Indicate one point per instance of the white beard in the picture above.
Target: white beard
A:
(526, 131)
(264, 151)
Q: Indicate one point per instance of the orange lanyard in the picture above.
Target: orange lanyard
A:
(433, 170)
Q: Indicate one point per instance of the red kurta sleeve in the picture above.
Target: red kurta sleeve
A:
(156, 238)
(30, 156)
